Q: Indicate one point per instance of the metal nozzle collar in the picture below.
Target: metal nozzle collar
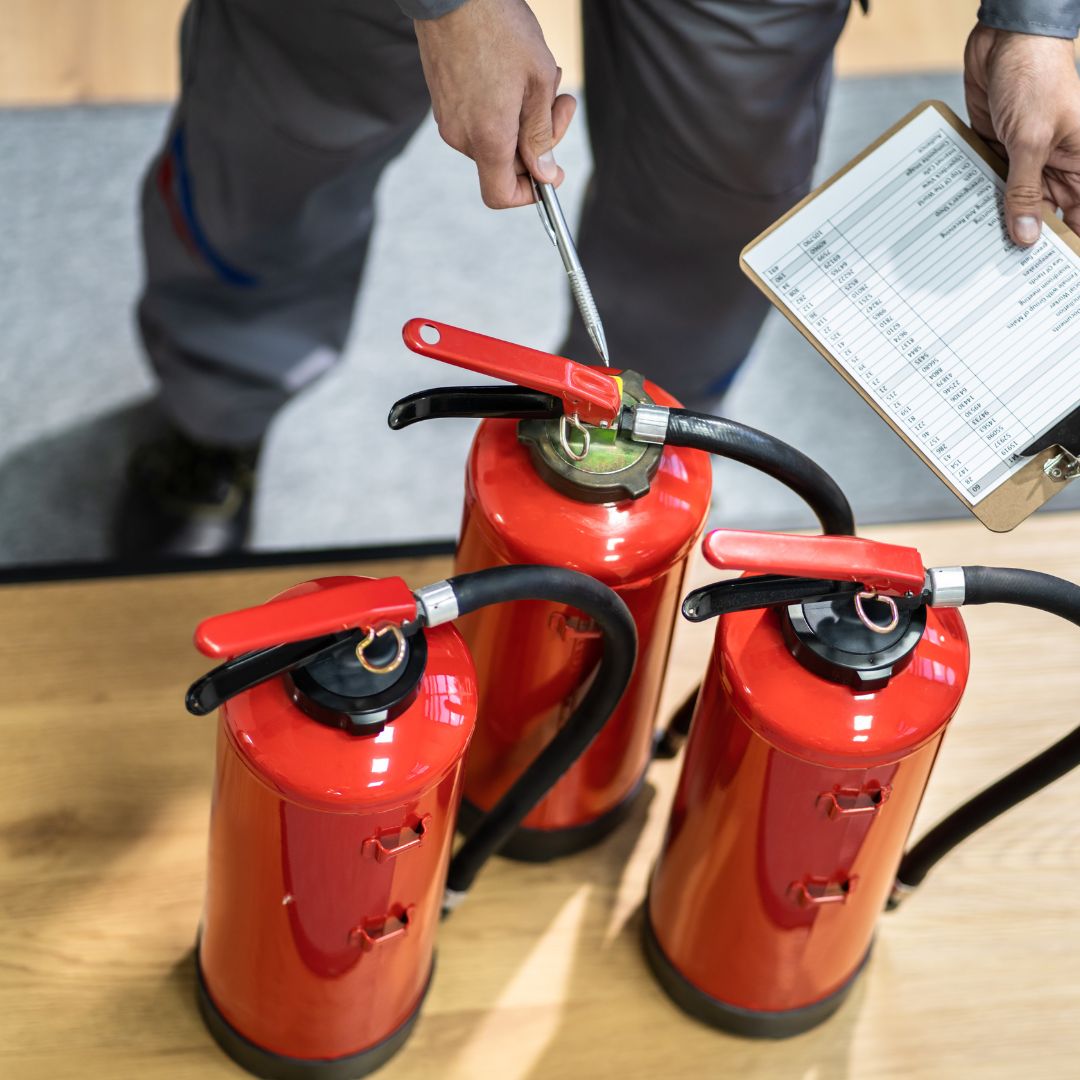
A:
(438, 603)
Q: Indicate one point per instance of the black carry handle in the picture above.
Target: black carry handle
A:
(474, 402)
(761, 591)
(243, 672)
(504, 583)
(1027, 588)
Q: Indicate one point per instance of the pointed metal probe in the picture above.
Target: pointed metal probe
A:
(551, 215)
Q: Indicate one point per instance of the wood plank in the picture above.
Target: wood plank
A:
(60, 52)
(903, 38)
(57, 52)
(103, 809)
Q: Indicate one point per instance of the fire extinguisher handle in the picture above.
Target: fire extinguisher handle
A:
(359, 602)
(595, 394)
(474, 402)
(885, 568)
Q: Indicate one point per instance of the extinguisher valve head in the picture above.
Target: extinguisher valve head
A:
(343, 642)
(603, 463)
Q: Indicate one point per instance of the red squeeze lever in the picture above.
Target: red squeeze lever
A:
(326, 610)
(886, 568)
(594, 394)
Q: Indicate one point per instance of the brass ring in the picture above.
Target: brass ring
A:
(869, 623)
(365, 643)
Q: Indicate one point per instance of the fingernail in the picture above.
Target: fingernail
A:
(1027, 229)
(548, 169)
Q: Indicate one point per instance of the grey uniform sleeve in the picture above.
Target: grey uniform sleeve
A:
(1047, 18)
(428, 9)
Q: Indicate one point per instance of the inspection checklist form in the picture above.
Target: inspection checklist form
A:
(902, 271)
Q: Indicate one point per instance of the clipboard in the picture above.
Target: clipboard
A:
(1054, 456)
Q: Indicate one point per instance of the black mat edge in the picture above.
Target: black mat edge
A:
(244, 560)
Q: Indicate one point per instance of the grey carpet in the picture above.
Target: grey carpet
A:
(72, 383)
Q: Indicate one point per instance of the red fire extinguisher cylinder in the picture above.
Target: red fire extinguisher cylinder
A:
(338, 778)
(824, 706)
(600, 471)
(808, 754)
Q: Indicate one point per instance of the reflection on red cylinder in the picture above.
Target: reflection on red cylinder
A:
(795, 801)
(328, 856)
(531, 658)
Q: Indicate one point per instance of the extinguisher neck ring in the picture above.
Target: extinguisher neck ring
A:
(437, 603)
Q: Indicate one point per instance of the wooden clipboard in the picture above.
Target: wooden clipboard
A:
(1027, 489)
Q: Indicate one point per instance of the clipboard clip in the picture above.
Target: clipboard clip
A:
(1065, 434)
(1063, 467)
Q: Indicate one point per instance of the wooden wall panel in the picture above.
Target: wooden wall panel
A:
(56, 52)
(905, 36)
(62, 51)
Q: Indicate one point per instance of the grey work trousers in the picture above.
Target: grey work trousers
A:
(704, 117)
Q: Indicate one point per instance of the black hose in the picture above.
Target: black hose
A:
(999, 585)
(775, 458)
(769, 455)
(503, 583)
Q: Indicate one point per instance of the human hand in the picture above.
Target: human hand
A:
(494, 90)
(1023, 97)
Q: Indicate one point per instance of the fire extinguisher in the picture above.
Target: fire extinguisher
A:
(600, 471)
(823, 708)
(347, 706)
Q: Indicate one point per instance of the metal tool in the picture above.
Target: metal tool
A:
(551, 215)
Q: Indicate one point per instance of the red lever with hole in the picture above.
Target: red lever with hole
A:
(886, 568)
(595, 394)
(359, 603)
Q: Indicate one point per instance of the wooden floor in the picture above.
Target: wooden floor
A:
(63, 51)
(104, 796)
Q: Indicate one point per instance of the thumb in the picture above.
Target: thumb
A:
(1024, 190)
(536, 138)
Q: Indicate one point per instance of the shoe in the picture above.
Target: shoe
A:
(185, 498)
